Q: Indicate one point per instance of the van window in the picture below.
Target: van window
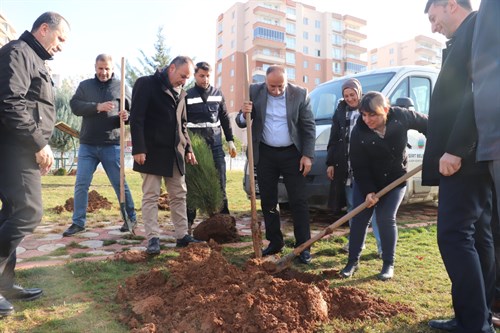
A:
(417, 88)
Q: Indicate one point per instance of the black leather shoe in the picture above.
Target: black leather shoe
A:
(387, 272)
(444, 324)
(19, 293)
(271, 249)
(153, 246)
(184, 241)
(73, 229)
(349, 269)
(305, 257)
(6, 308)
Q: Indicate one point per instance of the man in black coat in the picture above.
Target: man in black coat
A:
(160, 144)
(486, 77)
(27, 116)
(464, 185)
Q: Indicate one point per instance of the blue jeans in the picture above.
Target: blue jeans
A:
(385, 211)
(89, 157)
(350, 206)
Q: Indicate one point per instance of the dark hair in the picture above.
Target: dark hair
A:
(181, 60)
(373, 102)
(202, 65)
(462, 3)
(52, 19)
(103, 57)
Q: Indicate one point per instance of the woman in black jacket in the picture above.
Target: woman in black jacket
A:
(378, 157)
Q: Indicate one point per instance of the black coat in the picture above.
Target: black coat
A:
(27, 110)
(337, 157)
(158, 126)
(452, 128)
(377, 162)
(486, 76)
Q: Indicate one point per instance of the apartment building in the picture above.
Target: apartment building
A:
(313, 46)
(421, 50)
(7, 32)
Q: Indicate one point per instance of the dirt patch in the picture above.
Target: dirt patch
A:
(201, 292)
(131, 256)
(163, 201)
(220, 227)
(96, 202)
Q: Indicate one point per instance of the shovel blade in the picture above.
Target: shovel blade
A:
(130, 225)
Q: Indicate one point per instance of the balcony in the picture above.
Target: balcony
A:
(355, 48)
(354, 21)
(268, 57)
(268, 12)
(353, 34)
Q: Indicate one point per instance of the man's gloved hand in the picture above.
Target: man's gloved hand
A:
(232, 148)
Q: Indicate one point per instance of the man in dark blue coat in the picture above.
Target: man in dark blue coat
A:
(464, 185)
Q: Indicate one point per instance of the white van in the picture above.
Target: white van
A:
(405, 84)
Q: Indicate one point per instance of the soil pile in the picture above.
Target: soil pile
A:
(96, 202)
(220, 227)
(201, 292)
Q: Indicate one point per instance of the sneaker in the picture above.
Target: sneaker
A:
(184, 241)
(73, 229)
(153, 246)
(124, 227)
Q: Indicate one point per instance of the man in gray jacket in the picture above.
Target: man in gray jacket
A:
(97, 101)
(283, 134)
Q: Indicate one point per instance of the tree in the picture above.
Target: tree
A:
(59, 140)
(149, 65)
(202, 180)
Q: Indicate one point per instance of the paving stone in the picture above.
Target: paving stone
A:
(20, 250)
(168, 238)
(92, 244)
(88, 234)
(138, 248)
(50, 247)
(50, 237)
(100, 253)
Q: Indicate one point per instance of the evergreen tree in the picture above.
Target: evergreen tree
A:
(202, 180)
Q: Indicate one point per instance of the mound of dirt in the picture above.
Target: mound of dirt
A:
(163, 201)
(96, 202)
(202, 292)
(220, 227)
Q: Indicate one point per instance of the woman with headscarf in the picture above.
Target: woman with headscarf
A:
(339, 169)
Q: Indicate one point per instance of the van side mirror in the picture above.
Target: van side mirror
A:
(405, 102)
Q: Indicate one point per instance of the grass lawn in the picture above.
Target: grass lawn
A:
(79, 296)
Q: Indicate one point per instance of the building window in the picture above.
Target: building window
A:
(317, 24)
(231, 88)
(231, 104)
(290, 28)
(219, 67)
(318, 53)
(317, 67)
(291, 13)
(317, 81)
(305, 35)
(336, 53)
(232, 45)
(270, 34)
(317, 38)
(231, 73)
(232, 29)
(354, 68)
(305, 79)
(374, 58)
(336, 25)
(336, 39)
(305, 50)
(391, 62)
(391, 50)
(306, 64)
(232, 57)
(290, 43)
(305, 21)
(336, 68)
(219, 81)
(290, 73)
(290, 58)
(219, 54)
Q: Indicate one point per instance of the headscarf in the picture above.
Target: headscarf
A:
(353, 84)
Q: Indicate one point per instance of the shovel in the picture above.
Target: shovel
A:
(285, 262)
(125, 217)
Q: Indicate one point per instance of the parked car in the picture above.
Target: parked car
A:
(407, 86)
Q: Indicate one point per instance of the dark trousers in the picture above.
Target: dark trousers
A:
(494, 167)
(385, 213)
(274, 162)
(220, 165)
(464, 210)
(21, 197)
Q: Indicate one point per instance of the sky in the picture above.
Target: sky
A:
(124, 27)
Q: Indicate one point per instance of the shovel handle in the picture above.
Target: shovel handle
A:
(328, 230)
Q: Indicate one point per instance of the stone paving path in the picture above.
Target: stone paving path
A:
(46, 246)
